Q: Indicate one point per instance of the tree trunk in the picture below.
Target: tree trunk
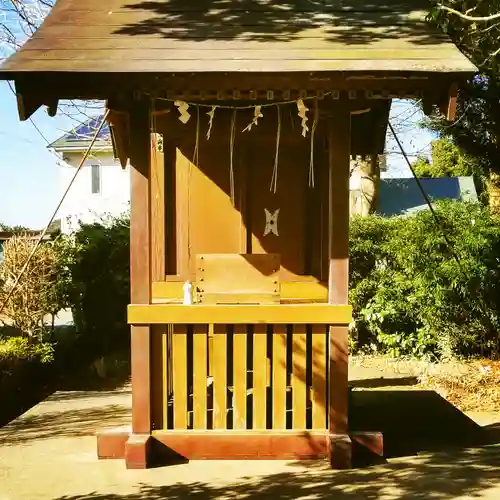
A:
(494, 192)
(365, 185)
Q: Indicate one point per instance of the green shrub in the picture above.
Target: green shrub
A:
(411, 297)
(17, 352)
(99, 290)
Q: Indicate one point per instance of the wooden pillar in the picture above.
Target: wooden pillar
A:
(158, 272)
(338, 280)
(137, 447)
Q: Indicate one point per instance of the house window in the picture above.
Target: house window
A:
(96, 179)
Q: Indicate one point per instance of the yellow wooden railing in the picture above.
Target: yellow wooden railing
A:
(242, 366)
(244, 377)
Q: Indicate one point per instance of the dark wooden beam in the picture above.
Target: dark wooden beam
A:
(27, 105)
(52, 105)
(452, 103)
(78, 85)
(118, 120)
(448, 103)
(338, 281)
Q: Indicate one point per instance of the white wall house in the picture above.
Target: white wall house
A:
(102, 187)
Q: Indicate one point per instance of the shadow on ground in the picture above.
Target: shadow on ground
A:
(384, 382)
(71, 379)
(415, 421)
(64, 424)
(432, 476)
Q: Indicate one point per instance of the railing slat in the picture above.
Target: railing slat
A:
(200, 338)
(220, 376)
(170, 363)
(279, 377)
(259, 376)
(318, 376)
(180, 376)
(299, 360)
(165, 376)
(240, 377)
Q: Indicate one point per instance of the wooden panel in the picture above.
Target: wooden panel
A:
(338, 281)
(140, 265)
(260, 367)
(289, 199)
(182, 180)
(246, 445)
(279, 377)
(167, 375)
(311, 39)
(238, 278)
(437, 64)
(211, 223)
(312, 290)
(170, 359)
(157, 187)
(158, 376)
(318, 376)
(226, 298)
(403, 27)
(240, 53)
(240, 377)
(210, 349)
(299, 362)
(220, 376)
(158, 270)
(200, 338)
(239, 314)
(180, 376)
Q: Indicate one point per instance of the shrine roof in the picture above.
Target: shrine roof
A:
(217, 36)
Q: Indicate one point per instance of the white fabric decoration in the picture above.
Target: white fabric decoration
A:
(271, 222)
(232, 137)
(256, 115)
(274, 178)
(303, 109)
(311, 159)
(183, 110)
(196, 154)
(211, 114)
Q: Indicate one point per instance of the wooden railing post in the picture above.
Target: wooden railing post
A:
(338, 280)
(137, 447)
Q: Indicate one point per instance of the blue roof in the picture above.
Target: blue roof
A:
(403, 196)
(84, 133)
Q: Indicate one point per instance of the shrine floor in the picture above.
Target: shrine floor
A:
(50, 453)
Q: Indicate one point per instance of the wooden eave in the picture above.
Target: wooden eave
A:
(99, 49)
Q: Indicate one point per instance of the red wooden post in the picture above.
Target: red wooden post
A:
(338, 280)
(136, 450)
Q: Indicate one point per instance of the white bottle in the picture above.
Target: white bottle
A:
(188, 293)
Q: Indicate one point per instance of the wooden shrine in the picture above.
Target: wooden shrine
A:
(238, 120)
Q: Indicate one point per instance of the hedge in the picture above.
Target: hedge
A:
(414, 293)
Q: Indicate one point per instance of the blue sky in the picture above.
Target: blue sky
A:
(29, 187)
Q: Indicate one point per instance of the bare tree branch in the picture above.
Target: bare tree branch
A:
(467, 17)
